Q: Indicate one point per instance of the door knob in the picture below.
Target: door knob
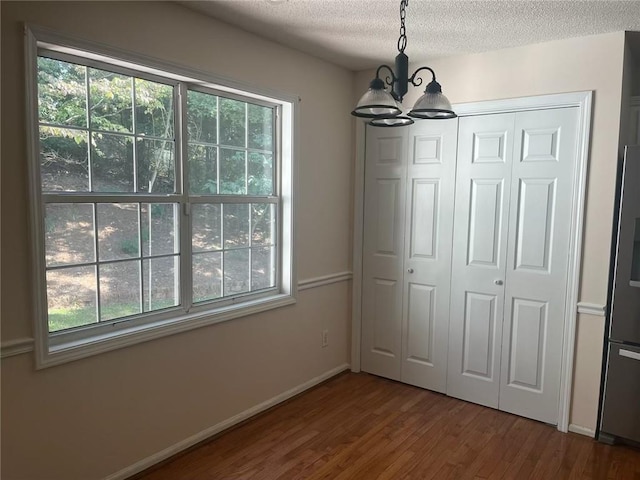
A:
(498, 282)
(410, 270)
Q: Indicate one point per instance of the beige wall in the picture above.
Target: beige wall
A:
(91, 418)
(579, 64)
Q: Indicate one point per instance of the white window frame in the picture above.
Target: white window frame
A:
(61, 347)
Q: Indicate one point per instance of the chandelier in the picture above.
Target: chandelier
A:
(384, 108)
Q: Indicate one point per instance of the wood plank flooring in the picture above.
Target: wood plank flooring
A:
(358, 426)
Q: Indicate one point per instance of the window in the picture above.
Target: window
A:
(164, 202)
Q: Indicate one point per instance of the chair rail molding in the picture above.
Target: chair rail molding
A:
(595, 309)
(16, 347)
(19, 346)
(324, 280)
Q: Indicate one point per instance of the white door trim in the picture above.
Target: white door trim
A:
(582, 100)
(358, 239)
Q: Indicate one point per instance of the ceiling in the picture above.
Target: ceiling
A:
(361, 34)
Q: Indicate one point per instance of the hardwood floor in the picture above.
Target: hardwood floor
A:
(358, 426)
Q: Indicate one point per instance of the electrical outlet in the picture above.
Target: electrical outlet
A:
(325, 338)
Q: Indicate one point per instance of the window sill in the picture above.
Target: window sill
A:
(105, 342)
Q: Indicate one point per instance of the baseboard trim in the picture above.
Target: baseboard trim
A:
(225, 424)
(324, 280)
(16, 347)
(582, 430)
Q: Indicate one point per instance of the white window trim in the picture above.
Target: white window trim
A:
(48, 353)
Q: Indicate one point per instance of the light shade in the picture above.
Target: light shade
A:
(376, 102)
(399, 121)
(433, 104)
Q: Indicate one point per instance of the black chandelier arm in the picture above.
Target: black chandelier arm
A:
(389, 80)
(416, 82)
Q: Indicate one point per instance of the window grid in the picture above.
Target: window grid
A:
(180, 165)
(224, 200)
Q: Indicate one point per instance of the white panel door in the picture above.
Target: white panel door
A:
(536, 271)
(382, 276)
(485, 145)
(427, 253)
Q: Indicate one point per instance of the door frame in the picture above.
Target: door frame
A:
(583, 101)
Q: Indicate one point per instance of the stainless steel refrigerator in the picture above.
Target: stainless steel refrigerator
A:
(620, 401)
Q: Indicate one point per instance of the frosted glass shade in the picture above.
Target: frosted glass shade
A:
(376, 102)
(433, 105)
(399, 121)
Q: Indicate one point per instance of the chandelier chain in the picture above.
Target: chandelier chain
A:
(402, 41)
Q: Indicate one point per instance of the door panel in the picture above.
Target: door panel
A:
(483, 243)
(423, 227)
(479, 325)
(383, 251)
(536, 271)
(427, 265)
(485, 146)
(527, 343)
(387, 221)
(385, 299)
(420, 323)
(536, 205)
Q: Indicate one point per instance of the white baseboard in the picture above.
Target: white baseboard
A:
(230, 422)
(582, 430)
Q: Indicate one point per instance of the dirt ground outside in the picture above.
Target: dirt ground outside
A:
(136, 248)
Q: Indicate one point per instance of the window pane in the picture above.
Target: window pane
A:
(154, 109)
(159, 228)
(236, 271)
(111, 163)
(263, 223)
(232, 122)
(161, 283)
(202, 117)
(62, 93)
(64, 160)
(260, 178)
(117, 231)
(71, 297)
(69, 234)
(110, 100)
(207, 276)
(232, 172)
(119, 289)
(203, 176)
(156, 167)
(260, 134)
(236, 225)
(206, 227)
(263, 268)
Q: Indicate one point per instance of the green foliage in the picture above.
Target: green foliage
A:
(117, 106)
(62, 96)
(130, 245)
(62, 92)
(64, 318)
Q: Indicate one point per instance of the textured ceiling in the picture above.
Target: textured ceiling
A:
(360, 34)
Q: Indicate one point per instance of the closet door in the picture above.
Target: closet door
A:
(536, 272)
(485, 146)
(427, 251)
(383, 250)
(510, 259)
